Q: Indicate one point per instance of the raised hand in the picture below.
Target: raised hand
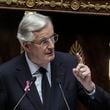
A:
(83, 74)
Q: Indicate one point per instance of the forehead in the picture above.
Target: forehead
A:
(46, 31)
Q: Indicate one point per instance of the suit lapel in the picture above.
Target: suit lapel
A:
(23, 75)
(57, 74)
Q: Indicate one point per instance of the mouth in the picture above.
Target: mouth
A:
(50, 53)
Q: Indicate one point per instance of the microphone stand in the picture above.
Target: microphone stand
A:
(20, 100)
(64, 97)
(26, 89)
(65, 100)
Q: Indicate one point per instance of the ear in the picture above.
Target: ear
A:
(27, 47)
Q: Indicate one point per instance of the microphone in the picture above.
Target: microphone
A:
(26, 89)
(62, 92)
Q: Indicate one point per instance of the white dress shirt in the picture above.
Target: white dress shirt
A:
(33, 68)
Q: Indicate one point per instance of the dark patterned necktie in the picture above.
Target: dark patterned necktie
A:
(45, 87)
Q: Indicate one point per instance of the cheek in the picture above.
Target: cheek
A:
(40, 53)
(37, 51)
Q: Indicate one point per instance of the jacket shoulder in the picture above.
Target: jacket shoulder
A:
(11, 64)
(66, 58)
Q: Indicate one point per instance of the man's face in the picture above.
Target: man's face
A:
(41, 50)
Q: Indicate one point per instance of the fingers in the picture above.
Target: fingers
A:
(81, 71)
(79, 58)
(80, 67)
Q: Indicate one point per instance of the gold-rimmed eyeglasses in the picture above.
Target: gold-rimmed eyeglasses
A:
(45, 41)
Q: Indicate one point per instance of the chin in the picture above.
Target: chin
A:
(51, 58)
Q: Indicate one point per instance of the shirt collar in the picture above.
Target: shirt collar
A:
(33, 67)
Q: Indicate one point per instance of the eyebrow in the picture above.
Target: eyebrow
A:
(46, 36)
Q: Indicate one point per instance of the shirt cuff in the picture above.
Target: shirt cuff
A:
(92, 93)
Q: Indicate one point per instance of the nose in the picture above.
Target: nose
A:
(51, 44)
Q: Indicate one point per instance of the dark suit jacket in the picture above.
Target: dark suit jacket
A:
(15, 73)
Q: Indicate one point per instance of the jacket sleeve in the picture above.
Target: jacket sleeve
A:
(100, 100)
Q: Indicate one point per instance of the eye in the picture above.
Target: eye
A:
(44, 41)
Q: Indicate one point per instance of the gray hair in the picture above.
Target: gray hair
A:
(30, 23)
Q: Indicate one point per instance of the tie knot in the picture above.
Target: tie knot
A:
(42, 70)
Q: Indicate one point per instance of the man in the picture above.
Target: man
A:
(67, 77)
